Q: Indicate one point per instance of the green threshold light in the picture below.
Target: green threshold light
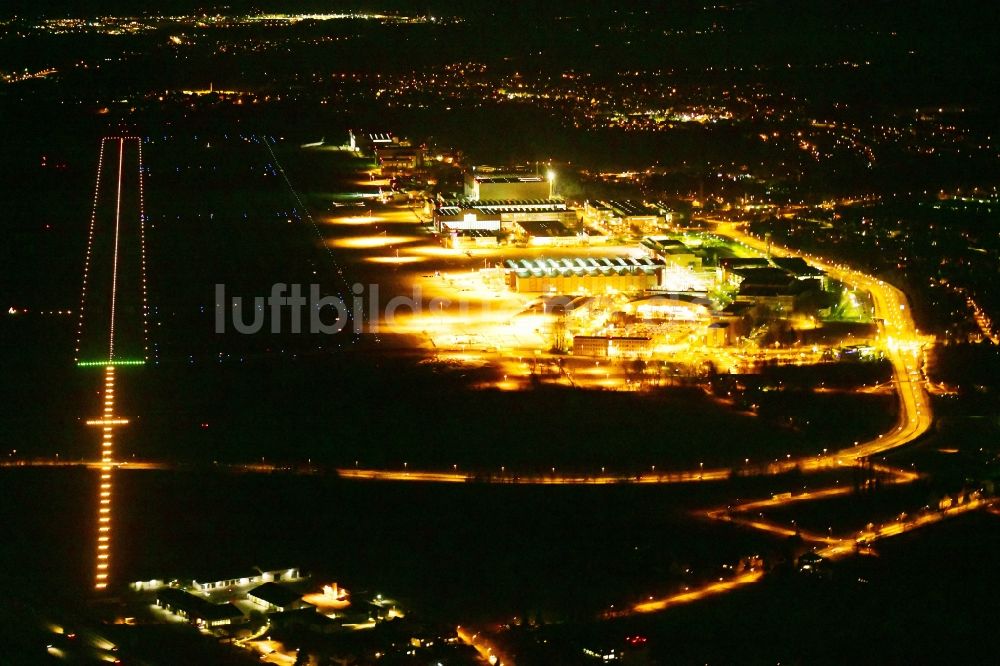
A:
(116, 362)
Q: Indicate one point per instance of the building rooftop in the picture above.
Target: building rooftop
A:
(546, 228)
(735, 262)
(665, 241)
(217, 612)
(273, 593)
(501, 204)
(665, 245)
(793, 288)
(797, 266)
(398, 149)
(764, 276)
(612, 338)
(197, 607)
(210, 575)
(556, 304)
(583, 266)
(692, 298)
(509, 179)
(627, 208)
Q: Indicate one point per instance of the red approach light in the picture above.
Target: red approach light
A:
(636, 640)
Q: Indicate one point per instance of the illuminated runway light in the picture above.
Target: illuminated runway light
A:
(90, 243)
(142, 247)
(114, 263)
(395, 260)
(107, 423)
(369, 242)
(355, 220)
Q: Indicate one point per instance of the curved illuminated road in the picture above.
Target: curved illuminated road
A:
(899, 339)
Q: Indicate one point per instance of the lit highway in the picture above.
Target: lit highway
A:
(486, 649)
(899, 339)
(553, 478)
(719, 587)
(902, 346)
(830, 546)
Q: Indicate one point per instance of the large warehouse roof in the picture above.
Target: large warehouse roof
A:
(581, 266)
(509, 179)
(505, 205)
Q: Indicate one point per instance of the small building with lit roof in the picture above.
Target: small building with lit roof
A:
(275, 598)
